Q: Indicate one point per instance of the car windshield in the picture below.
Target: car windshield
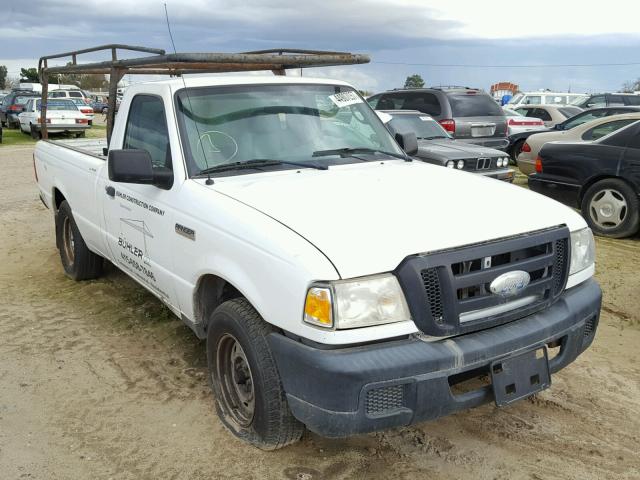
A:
(225, 125)
(578, 99)
(467, 105)
(21, 100)
(569, 112)
(58, 105)
(425, 127)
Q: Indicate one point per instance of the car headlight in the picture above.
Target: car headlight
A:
(451, 164)
(583, 250)
(499, 162)
(460, 164)
(361, 302)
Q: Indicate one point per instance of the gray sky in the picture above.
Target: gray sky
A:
(402, 36)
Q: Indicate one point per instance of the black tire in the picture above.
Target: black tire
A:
(263, 417)
(81, 134)
(35, 133)
(78, 261)
(610, 207)
(517, 148)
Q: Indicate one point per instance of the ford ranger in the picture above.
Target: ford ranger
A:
(339, 285)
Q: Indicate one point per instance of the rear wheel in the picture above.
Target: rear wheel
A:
(78, 261)
(35, 133)
(610, 207)
(517, 149)
(250, 400)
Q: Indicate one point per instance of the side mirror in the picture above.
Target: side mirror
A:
(135, 166)
(408, 141)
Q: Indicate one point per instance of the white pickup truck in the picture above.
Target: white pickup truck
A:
(338, 284)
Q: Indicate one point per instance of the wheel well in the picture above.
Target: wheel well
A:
(595, 180)
(58, 198)
(211, 292)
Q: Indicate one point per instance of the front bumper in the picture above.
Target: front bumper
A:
(361, 389)
(506, 175)
(61, 127)
(500, 143)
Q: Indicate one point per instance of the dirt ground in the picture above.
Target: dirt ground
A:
(97, 381)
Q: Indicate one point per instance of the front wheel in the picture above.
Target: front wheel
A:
(250, 400)
(35, 133)
(78, 261)
(610, 207)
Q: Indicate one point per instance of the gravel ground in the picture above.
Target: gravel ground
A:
(99, 381)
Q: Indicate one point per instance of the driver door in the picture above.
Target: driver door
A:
(139, 218)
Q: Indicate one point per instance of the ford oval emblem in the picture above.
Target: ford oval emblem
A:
(510, 283)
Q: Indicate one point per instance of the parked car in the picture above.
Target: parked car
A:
(100, 106)
(67, 93)
(586, 132)
(340, 286)
(544, 98)
(470, 115)
(549, 114)
(600, 178)
(609, 100)
(436, 146)
(12, 105)
(62, 117)
(516, 140)
(84, 107)
(518, 123)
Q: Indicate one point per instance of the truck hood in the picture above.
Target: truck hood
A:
(450, 149)
(366, 218)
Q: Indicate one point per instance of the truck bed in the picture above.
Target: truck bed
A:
(90, 146)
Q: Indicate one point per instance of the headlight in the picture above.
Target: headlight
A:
(460, 164)
(583, 250)
(356, 303)
(451, 164)
(499, 162)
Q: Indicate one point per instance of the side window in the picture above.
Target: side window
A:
(56, 94)
(616, 100)
(373, 101)
(597, 101)
(632, 99)
(605, 129)
(539, 113)
(75, 94)
(532, 100)
(147, 129)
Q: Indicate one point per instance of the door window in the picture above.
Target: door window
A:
(147, 129)
(540, 113)
(532, 100)
(616, 101)
(605, 129)
(597, 101)
(632, 99)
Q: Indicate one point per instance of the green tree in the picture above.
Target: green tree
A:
(29, 75)
(3, 77)
(414, 81)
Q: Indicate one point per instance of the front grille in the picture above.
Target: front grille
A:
(384, 399)
(483, 164)
(431, 283)
(449, 292)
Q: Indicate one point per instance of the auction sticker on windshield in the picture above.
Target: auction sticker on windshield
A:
(344, 99)
(426, 119)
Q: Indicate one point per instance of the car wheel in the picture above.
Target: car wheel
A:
(249, 397)
(104, 110)
(78, 261)
(35, 133)
(81, 134)
(516, 150)
(610, 207)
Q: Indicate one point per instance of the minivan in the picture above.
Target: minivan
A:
(468, 114)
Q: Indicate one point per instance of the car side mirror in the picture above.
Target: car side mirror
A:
(408, 141)
(135, 166)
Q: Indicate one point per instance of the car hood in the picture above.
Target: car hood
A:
(366, 218)
(454, 149)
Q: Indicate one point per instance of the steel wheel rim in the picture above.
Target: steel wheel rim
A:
(608, 208)
(68, 241)
(236, 380)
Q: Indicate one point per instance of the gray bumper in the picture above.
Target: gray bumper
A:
(506, 175)
(362, 389)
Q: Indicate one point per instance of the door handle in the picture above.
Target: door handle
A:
(111, 191)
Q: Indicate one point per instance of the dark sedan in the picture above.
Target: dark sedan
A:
(436, 146)
(602, 178)
(517, 140)
(12, 105)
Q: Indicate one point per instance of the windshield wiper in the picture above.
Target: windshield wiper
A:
(257, 163)
(432, 137)
(347, 152)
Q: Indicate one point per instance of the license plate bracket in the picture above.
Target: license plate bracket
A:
(520, 376)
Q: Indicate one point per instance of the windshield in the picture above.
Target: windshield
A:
(222, 125)
(569, 112)
(474, 106)
(58, 105)
(423, 126)
(578, 99)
